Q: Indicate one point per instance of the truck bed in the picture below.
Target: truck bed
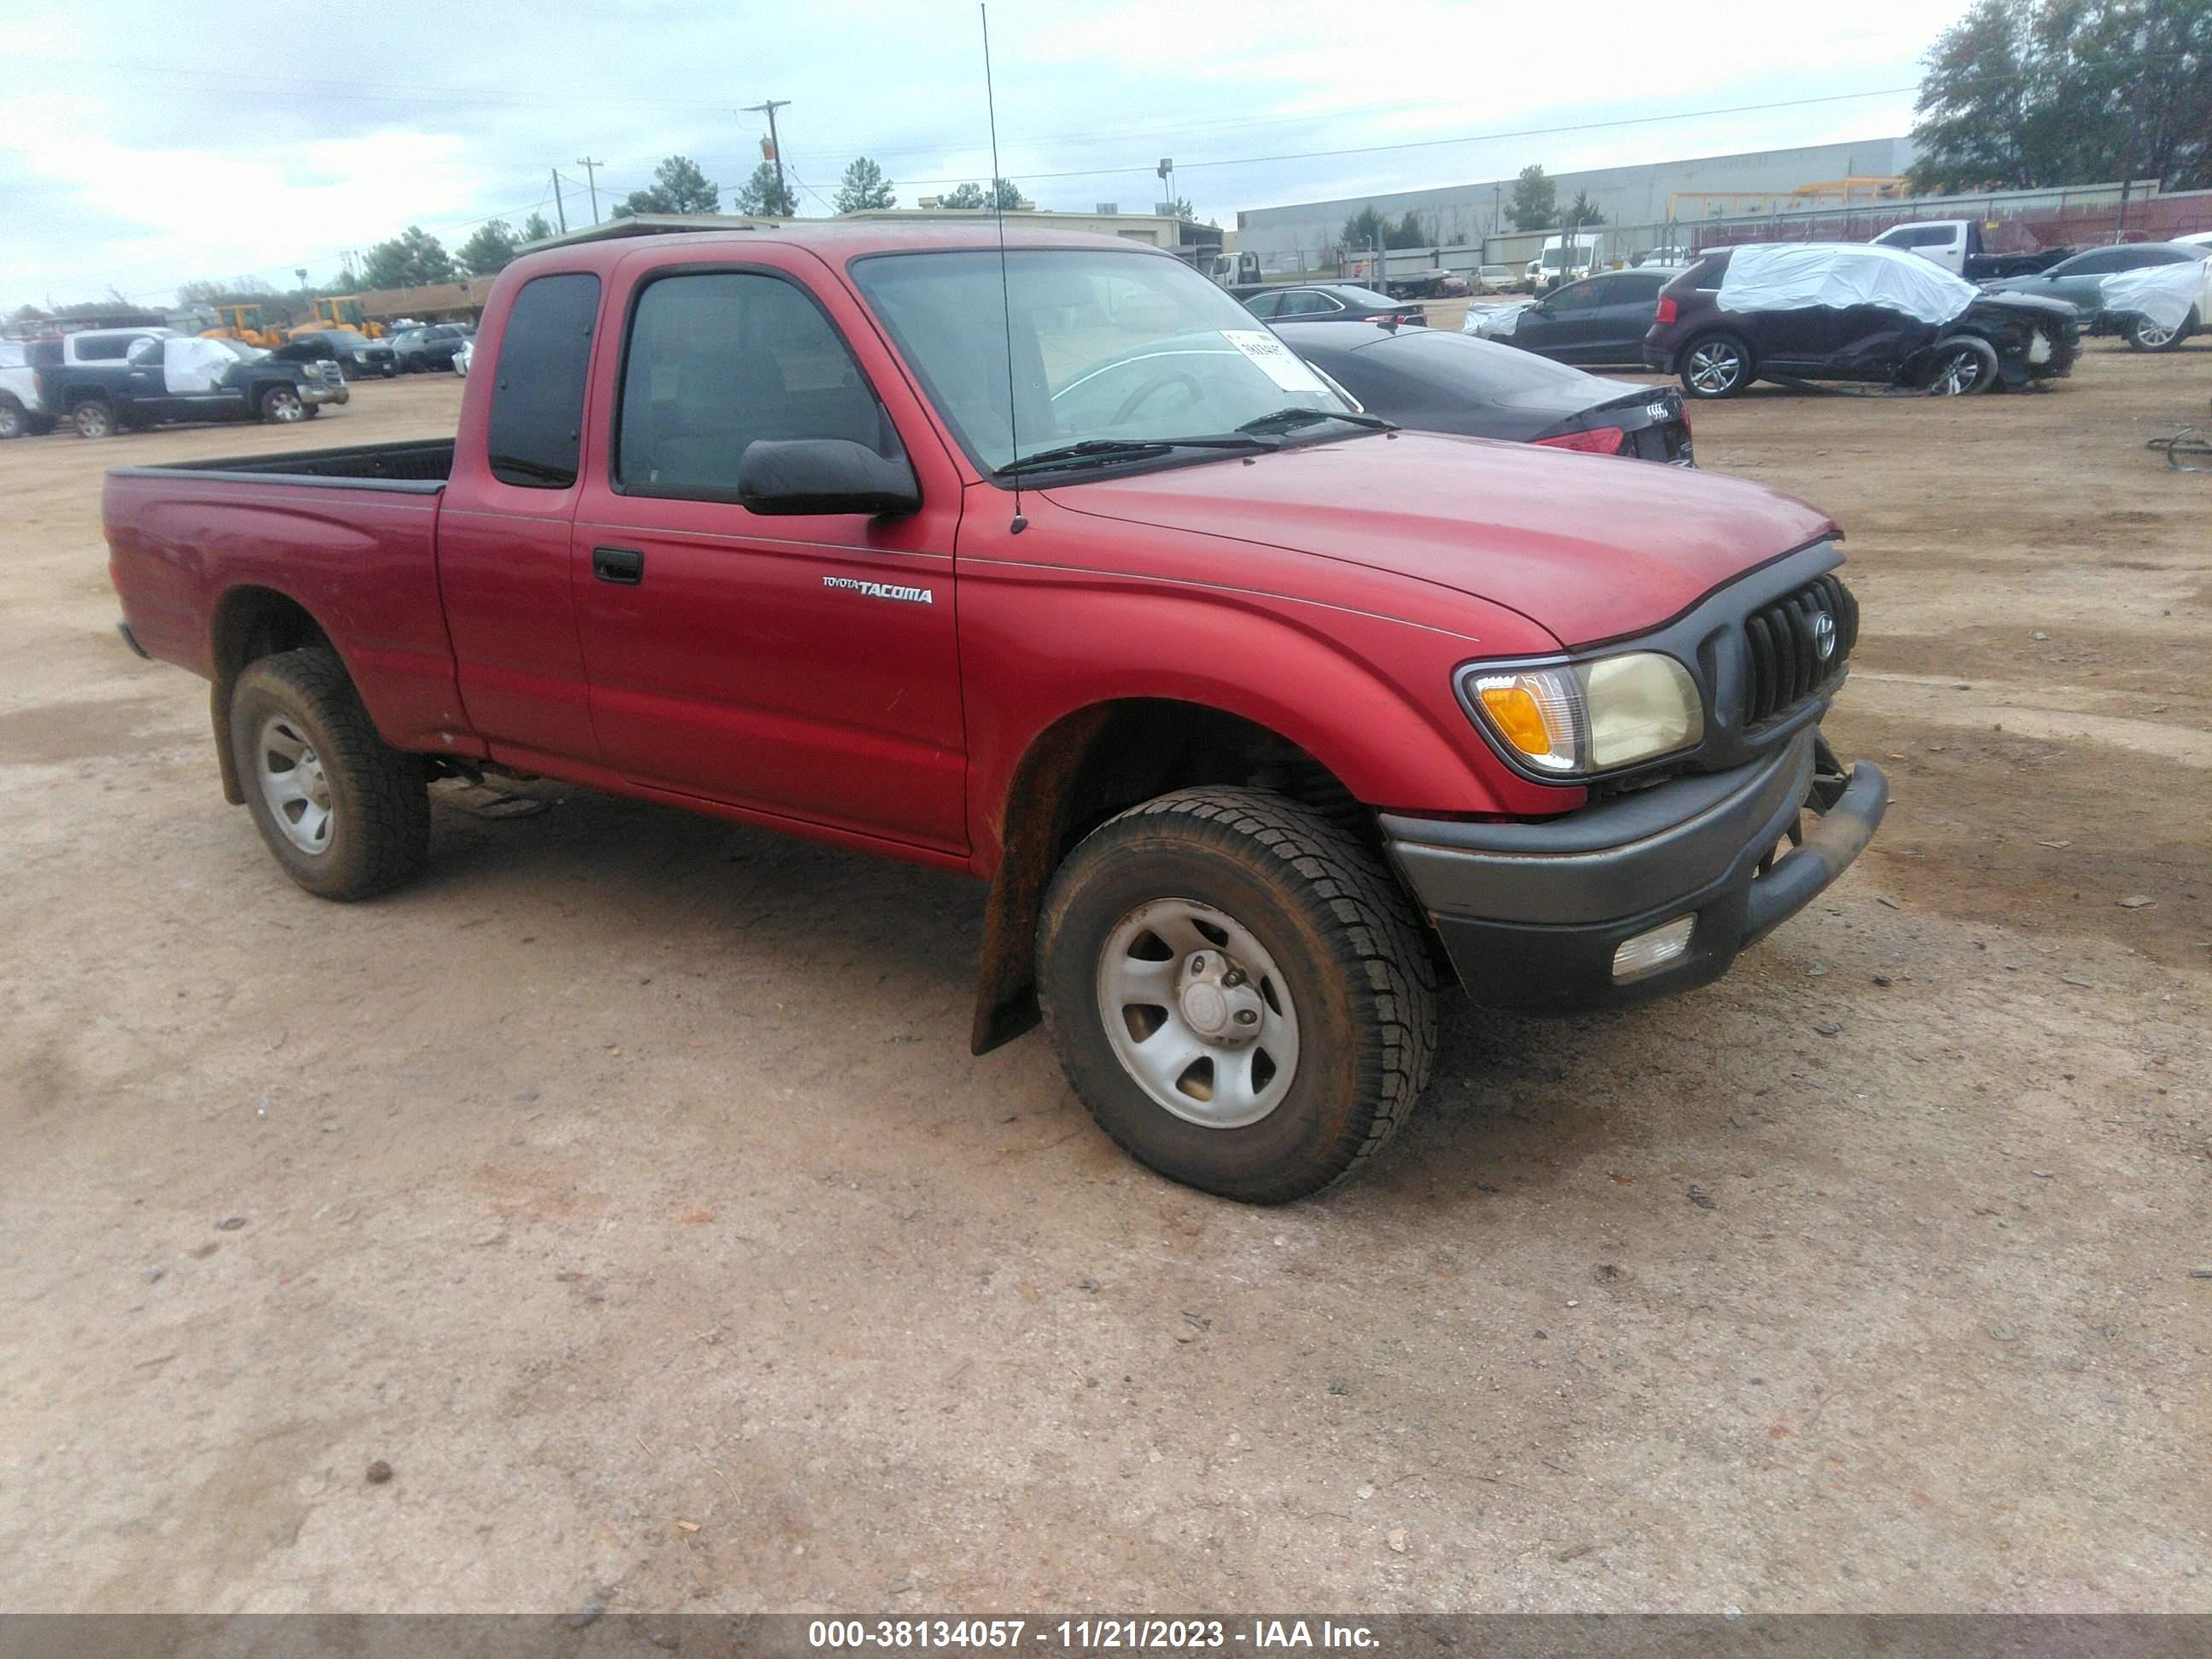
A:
(413, 466)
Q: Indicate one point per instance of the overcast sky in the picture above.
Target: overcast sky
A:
(149, 145)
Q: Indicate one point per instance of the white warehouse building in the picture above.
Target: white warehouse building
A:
(1646, 195)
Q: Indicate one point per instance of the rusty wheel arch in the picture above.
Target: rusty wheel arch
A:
(1082, 770)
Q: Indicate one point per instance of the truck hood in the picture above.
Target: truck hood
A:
(1590, 547)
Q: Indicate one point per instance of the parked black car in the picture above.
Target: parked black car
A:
(1600, 320)
(420, 348)
(1325, 302)
(1440, 382)
(1889, 326)
(354, 353)
(181, 378)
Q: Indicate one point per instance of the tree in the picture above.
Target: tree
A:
(1180, 208)
(239, 291)
(413, 259)
(764, 196)
(679, 186)
(2026, 93)
(1406, 233)
(1535, 202)
(489, 252)
(1364, 229)
(1004, 195)
(536, 228)
(863, 187)
(1582, 211)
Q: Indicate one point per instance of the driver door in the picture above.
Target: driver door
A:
(804, 667)
(1565, 324)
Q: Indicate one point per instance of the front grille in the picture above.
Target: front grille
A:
(1783, 649)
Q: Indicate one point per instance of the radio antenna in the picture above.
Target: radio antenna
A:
(1005, 293)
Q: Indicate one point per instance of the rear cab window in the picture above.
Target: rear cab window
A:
(536, 429)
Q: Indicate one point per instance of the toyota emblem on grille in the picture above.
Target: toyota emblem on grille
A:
(1824, 635)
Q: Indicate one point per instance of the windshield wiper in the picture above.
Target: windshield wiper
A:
(1285, 419)
(1102, 450)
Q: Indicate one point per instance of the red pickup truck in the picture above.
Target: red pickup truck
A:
(1048, 564)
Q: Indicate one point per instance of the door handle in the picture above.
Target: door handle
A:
(624, 566)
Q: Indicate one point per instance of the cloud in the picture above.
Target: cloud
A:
(149, 156)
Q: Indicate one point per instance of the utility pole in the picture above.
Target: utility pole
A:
(591, 182)
(560, 207)
(774, 150)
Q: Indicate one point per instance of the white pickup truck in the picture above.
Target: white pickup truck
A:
(22, 412)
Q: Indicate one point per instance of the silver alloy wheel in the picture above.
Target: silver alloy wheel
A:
(1198, 1013)
(2151, 337)
(93, 419)
(1961, 373)
(1715, 365)
(294, 784)
(282, 404)
(11, 419)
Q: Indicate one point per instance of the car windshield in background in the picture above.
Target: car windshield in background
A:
(1108, 348)
(346, 340)
(239, 348)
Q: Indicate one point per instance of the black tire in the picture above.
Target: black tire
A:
(94, 417)
(1717, 364)
(14, 419)
(1347, 945)
(377, 800)
(1964, 366)
(2144, 335)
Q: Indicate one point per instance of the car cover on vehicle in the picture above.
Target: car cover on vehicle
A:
(2162, 294)
(191, 366)
(1792, 276)
(13, 354)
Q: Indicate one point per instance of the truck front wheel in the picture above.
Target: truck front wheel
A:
(346, 814)
(15, 420)
(1237, 991)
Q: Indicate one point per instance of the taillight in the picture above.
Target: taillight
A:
(1598, 440)
(1665, 314)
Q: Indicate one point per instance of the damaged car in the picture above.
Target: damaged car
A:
(1841, 310)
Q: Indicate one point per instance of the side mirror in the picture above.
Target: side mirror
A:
(792, 475)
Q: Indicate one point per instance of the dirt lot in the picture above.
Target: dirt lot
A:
(627, 1188)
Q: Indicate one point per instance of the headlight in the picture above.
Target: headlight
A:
(1573, 718)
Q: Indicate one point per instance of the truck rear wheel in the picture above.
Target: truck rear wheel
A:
(94, 418)
(1238, 992)
(15, 420)
(346, 814)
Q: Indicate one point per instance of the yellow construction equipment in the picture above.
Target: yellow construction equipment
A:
(340, 311)
(243, 323)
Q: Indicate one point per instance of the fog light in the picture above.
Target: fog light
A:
(1656, 949)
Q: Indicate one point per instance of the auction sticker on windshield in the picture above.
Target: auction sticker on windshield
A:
(1283, 366)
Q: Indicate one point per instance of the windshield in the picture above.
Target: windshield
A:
(345, 339)
(1107, 345)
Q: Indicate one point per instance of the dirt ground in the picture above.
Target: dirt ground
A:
(627, 1187)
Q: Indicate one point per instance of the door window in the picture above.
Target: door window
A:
(1306, 305)
(1264, 304)
(538, 409)
(1577, 296)
(720, 361)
